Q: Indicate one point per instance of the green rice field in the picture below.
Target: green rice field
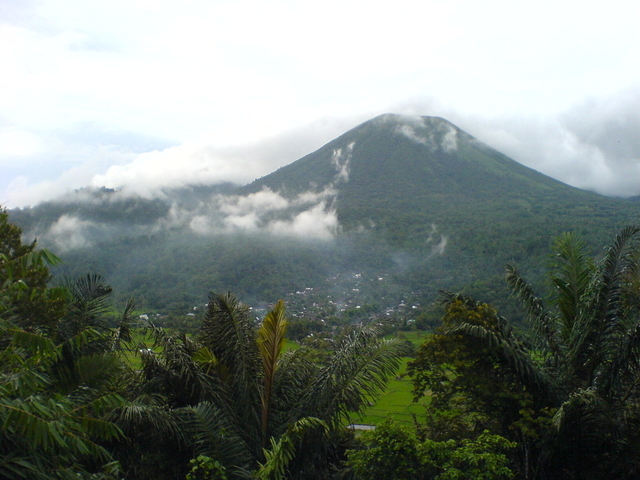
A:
(396, 401)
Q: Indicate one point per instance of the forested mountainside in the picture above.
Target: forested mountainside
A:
(396, 207)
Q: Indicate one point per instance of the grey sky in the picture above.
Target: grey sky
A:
(139, 94)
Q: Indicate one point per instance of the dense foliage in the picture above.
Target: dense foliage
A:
(229, 404)
(394, 452)
(88, 393)
(59, 375)
(569, 395)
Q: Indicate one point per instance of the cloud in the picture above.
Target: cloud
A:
(605, 131)
(450, 140)
(419, 130)
(211, 161)
(318, 223)
(69, 232)
(70, 168)
(342, 162)
(592, 145)
(263, 201)
(437, 249)
(18, 143)
(440, 247)
(409, 132)
(308, 215)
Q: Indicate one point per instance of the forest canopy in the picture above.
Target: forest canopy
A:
(89, 390)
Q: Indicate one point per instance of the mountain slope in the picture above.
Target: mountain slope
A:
(413, 172)
(414, 201)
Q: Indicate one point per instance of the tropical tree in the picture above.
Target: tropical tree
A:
(59, 374)
(395, 452)
(590, 339)
(581, 364)
(249, 405)
(54, 397)
(24, 275)
(474, 384)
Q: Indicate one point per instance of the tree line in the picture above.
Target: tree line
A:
(559, 400)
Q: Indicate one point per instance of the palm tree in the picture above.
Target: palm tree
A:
(59, 378)
(60, 375)
(245, 399)
(52, 419)
(584, 359)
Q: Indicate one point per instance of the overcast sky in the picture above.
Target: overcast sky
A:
(141, 94)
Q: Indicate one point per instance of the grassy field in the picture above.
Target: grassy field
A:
(133, 357)
(416, 337)
(396, 401)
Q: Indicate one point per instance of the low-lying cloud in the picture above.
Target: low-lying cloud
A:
(103, 213)
(69, 233)
(319, 223)
(136, 164)
(206, 162)
(443, 137)
(310, 215)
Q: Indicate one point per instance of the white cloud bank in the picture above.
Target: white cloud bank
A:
(69, 233)
(189, 164)
(308, 215)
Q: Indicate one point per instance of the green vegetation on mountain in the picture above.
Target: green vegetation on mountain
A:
(413, 200)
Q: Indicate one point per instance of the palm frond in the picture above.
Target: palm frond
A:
(543, 324)
(283, 450)
(620, 376)
(605, 308)
(149, 414)
(571, 277)
(270, 343)
(173, 370)
(230, 334)
(356, 372)
(494, 332)
(584, 436)
(37, 344)
(126, 324)
(88, 298)
(216, 436)
(227, 330)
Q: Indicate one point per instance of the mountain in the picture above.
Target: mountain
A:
(398, 206)
(420, 181)
(428, 169)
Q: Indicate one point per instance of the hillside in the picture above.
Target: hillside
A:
(396, 207)
(455, 209)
